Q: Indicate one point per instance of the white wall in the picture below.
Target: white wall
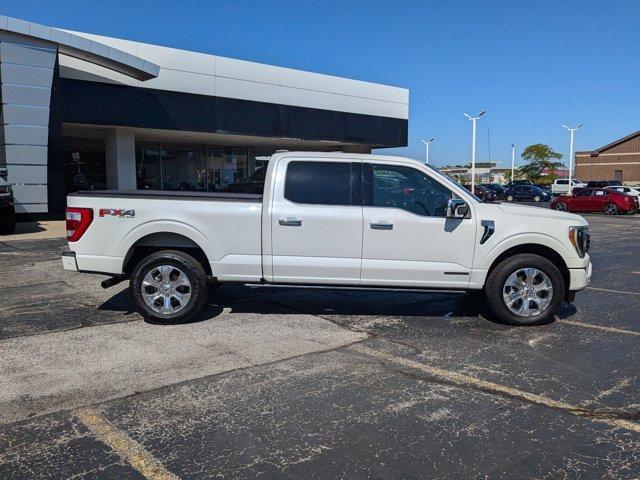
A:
(204, 74)
(26, 73)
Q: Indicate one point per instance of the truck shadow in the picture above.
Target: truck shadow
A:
(331, 302)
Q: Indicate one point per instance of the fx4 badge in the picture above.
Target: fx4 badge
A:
(117, 212)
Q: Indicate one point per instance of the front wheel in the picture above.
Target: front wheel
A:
(525, 289)
(510, 198)
(536, 198)
(610, 209)
(561, 207)
(169, 287)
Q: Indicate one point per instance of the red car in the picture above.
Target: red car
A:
(596, 200)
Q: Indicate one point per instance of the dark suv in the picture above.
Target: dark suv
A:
(7, 209)
(528, 192)
(603, 183)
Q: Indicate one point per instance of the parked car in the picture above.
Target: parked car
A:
(344, 220)
(482, 193)
(596, 200)
(499, 190)
(603, 183)
(528, 193)
(560, 186)
(7, 209)
(633, 191)
(515, 183)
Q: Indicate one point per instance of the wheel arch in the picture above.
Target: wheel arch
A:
(537, 249)
(163, 240)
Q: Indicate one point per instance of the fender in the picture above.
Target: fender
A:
(523, 239)
(162, 226)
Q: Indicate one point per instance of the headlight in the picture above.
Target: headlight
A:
(580, 238)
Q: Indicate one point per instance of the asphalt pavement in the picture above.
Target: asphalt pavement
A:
(290, 383)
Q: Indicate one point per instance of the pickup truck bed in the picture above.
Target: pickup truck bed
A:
(164, 195)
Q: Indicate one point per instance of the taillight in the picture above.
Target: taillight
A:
(78, 220)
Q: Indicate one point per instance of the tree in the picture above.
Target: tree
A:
(540, 157)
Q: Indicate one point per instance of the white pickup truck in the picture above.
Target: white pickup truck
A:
(330, 219)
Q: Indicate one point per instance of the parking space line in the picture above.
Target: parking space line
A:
(599, 327)
(613, 291)
(130, 450)
(463, 380)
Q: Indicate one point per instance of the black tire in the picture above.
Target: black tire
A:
(610, 209)
(192, 269)
(496, 283)
(7, 220)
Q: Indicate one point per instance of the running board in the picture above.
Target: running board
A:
(363, 288)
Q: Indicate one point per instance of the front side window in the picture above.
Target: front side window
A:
(323, 183)
(406, 188)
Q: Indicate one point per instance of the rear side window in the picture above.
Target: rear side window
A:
(323, 183)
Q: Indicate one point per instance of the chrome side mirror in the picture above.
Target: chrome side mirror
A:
(457, 208)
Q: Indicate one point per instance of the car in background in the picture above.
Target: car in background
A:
(482, 193)
(7, 209)
(596, 200)
(528, 193)
(499, 190)
(515, 183)
(560, 186)
(633, 191)
(603, 183)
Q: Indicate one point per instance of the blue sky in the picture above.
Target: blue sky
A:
(532, 65)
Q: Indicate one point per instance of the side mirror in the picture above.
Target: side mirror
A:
(457, 208)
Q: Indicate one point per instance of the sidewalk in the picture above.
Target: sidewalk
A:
(37, 230)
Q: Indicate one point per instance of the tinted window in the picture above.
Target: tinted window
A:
(562, 182)
(584, 193)
(396, 186)
(323, 183)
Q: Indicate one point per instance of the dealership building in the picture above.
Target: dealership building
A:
(82, 111)
(618, 160)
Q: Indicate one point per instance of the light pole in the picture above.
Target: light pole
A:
(572, 132)
(473, 148)
(513, 161)
(426, 147)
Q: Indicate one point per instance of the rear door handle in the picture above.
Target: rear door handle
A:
(382, 226)
(290, 222)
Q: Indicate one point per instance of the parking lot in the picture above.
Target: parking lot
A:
(301, 383)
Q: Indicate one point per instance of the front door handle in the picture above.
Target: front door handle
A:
(382, 226)
(290, 222)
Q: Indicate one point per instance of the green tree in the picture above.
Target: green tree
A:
(540, 157)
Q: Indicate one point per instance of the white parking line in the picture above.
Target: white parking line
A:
(599, 327)
(130, 450)
(465, 380)
(613, 291)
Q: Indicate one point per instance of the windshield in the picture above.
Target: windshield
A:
(452, 181)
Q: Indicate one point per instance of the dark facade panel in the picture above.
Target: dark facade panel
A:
(119, 105)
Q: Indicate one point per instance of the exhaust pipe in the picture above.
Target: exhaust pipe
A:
(110, 282)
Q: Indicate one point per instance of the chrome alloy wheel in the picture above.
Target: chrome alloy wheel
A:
(166, 289)
(527, 292)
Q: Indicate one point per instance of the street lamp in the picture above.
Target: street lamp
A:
(426, 145)
(572, 132)
(513, 161)
(473, 148)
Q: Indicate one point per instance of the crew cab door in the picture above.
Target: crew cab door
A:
(407, 239)
(316, 221)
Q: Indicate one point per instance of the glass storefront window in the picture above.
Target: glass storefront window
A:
(84, 164)
(190, 167)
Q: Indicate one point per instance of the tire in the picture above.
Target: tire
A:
(8, 220)
(610, 209)
(509, 198)
(498, 290)
(562, 207)
(536, 198)
(186, 290)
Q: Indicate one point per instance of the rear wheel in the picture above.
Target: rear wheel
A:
(7, 220)
(610, 209)
(526, 289)
(169, 287)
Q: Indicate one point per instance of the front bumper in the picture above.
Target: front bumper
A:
(580, 278)
(69, 261)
